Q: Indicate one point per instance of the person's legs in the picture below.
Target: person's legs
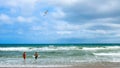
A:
(35, 57)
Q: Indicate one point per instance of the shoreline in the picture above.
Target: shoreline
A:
(82, 65)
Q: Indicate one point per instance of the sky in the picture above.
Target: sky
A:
(67, 21)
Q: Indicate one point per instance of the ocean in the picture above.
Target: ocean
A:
(58, 54)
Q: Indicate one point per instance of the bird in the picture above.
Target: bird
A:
(45, 13)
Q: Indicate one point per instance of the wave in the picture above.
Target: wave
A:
(56, 48)
(102, 48)
(107, 54)
(109, 57)
(14, 49)
(50, 48)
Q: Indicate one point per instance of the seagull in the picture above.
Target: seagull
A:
(45, 13)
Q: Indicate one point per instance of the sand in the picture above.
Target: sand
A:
(83, 65)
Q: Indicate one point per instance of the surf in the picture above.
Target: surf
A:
(57, 48)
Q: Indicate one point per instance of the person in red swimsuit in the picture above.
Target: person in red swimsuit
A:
(24, 55)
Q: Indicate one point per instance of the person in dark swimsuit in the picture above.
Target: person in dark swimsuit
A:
(36, 55)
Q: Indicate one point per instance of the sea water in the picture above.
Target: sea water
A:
(58, 54)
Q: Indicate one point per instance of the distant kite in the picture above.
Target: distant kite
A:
(45, 13)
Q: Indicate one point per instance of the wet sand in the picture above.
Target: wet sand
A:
(99, 65)
(83, 65)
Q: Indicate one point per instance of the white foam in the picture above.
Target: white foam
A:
(14, 49)
(102, 48)
(113, 47)
(38, 49)
(107, 54)
(95, 48)
(53, 48)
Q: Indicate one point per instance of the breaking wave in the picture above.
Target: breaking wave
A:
(56, 48)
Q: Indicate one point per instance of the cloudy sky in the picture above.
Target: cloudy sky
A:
(67, 21)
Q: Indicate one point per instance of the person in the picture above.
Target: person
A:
(24, 55)
(36, 55)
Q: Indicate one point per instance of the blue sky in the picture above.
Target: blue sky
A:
(67, 21)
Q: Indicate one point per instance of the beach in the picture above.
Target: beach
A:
(59, 34)
(83, 65)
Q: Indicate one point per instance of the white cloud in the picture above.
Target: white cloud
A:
(58, 13)
(21, 19)
(84, 31)
(5, 18)
(89, 9)
(37, 28)
(117, 35)
(26, 7)
(18, 3)
(106, 20)
(109, 6)
(64, 32)
(61, 25)
(25, 19)
(113, 25)
(66, 2)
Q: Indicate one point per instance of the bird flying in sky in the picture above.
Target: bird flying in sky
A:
(45, 13)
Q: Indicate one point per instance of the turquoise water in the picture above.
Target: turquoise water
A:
(59, 54)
